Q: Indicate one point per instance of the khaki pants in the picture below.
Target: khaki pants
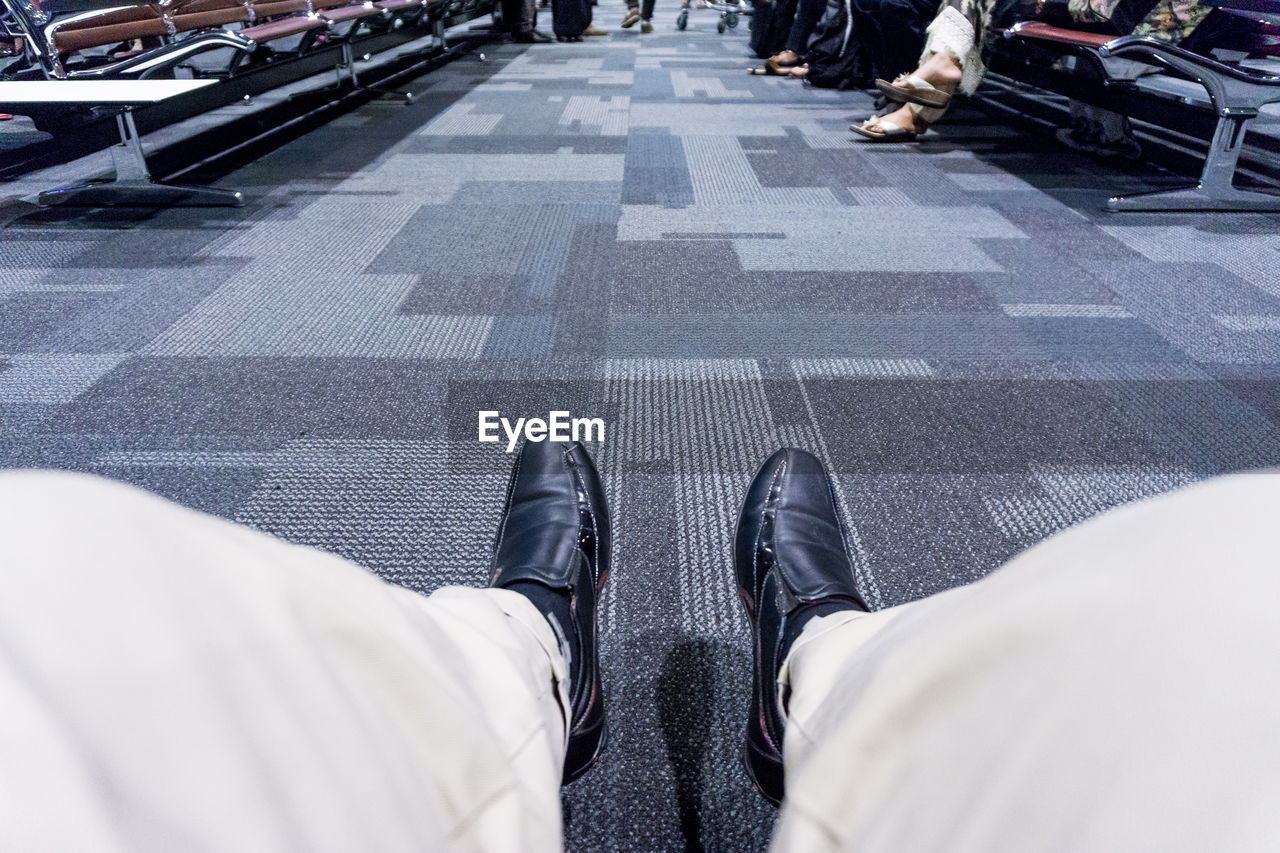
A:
(170, 681)
(1115, 688)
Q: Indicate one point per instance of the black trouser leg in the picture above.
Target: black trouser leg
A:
(901, 25)
(520, 15)
(808, 13)
(646, 9)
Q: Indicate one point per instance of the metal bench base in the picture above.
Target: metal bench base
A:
(133, 185)
(117, 193)
(1196, 198)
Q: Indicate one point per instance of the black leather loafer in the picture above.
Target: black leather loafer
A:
(791, 564)
(555, 533)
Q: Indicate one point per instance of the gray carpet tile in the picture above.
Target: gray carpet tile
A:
(633, 228)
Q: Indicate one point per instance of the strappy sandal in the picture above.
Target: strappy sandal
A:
(782, 69)
(876, 129)
(782, 66)
(769, 69)
(910, 89)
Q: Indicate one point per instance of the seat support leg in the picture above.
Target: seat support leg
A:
(133, 184)
(402, 94)
(1216, 190)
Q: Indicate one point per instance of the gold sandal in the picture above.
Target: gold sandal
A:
(910, 89)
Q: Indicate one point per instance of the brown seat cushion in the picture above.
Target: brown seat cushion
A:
(350, 13)
(1048, 32)
(145, 20)
(284, 27)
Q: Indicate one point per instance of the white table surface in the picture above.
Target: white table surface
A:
(94, 92)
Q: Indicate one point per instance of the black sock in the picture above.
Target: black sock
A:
(801, 616)
(557, 608)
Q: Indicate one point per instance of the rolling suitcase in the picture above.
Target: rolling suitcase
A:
(570, 17)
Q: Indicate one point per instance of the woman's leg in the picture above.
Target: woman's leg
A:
(951, 61)
(939, 70)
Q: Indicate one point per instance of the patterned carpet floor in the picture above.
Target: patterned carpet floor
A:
(634, 229)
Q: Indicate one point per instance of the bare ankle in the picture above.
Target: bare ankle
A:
(942, 71)
(904, 118)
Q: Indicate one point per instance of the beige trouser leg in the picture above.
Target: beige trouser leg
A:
(1115, 688)
(170, 681)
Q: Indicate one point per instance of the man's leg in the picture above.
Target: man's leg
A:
(1112, 688)
(522, 17)
(171, 680)
(808, 13)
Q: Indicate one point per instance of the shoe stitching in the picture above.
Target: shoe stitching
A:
(506, 514)
(835, 514)
(580, 481)
(755, 550)
(754, 573)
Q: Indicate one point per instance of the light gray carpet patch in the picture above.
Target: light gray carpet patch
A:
(1043, 309)
(1065, 494)
(849, 238)
(51, 379)
(686, 86)
(596, 115)
(1254, 257)
(436, 178)
(462, 120)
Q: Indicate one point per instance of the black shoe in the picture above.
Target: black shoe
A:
(792, 565)
(553, 547)
(531, 37)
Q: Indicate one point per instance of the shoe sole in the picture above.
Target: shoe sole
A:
(937, 100)
(883, 138)
(594, 741)
(750, 756)
(573, 774)
(745, 754)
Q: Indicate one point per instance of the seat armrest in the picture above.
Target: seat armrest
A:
(1164, 53)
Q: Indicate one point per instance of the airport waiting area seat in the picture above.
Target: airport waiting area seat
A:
(1239, 80)
(108, 39)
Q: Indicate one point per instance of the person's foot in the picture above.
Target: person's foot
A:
(930, 85)
(1088, 137)
(904, 119)
(553, 548)
(941, 71)
(791, 565)
(569, 38)
(646, 27)
(632, 17)
(593, 30)
(784, 60)
(531, 37)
